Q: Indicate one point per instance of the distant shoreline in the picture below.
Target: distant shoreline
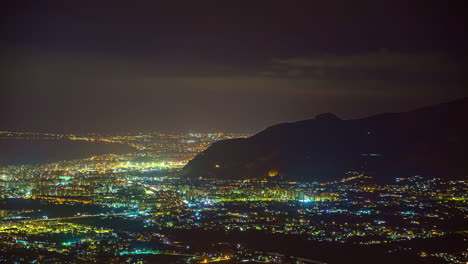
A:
(20, 151)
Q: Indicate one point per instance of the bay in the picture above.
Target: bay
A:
(36, 151)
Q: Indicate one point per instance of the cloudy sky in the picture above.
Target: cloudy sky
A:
(211, 65)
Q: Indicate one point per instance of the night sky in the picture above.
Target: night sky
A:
(209, 66)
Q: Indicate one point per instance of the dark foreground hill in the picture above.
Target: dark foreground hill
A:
(431, 141)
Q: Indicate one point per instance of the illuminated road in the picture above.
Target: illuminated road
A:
(304, 260)
(73, 217)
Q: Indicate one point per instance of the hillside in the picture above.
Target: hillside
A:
(430, 141)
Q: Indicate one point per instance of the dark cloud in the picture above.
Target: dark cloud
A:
(120, 65)
(377, 60)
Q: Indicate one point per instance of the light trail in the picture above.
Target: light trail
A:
(73, 217)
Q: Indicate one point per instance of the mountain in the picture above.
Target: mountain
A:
(431, 141)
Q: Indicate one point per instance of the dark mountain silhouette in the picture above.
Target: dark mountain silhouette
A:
(431, 141)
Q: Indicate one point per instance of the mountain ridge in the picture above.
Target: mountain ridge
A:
(426, 141)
